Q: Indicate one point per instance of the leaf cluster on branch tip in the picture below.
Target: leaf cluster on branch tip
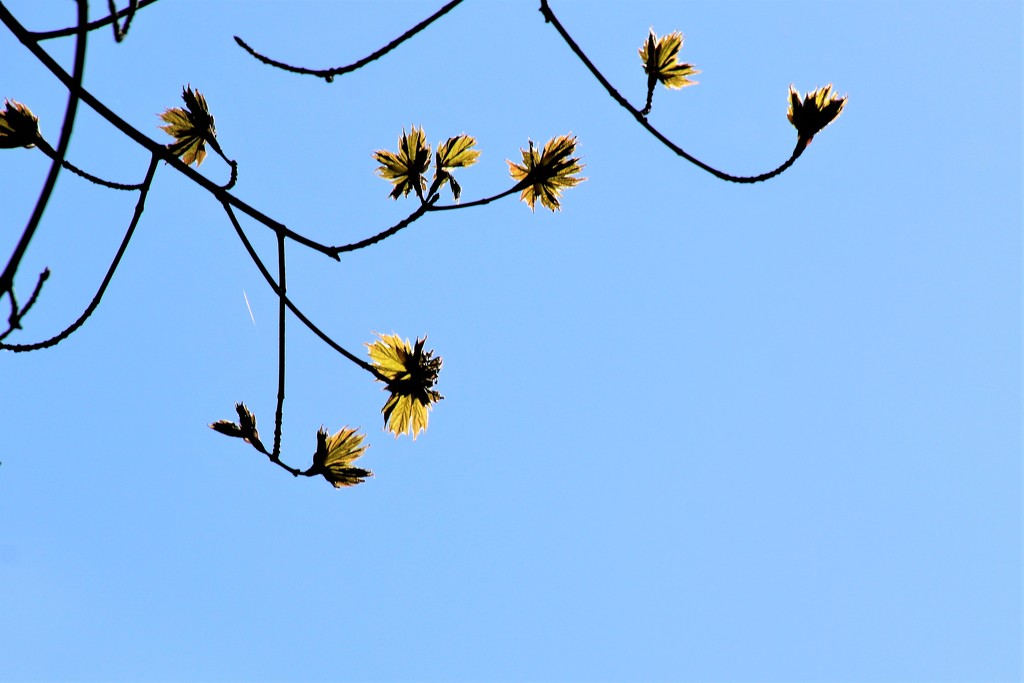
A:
(193, 127)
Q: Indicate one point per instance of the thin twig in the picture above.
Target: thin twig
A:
(121, 31)
(282, 290)
(141, 139)
(18, 314)
(384, 234)
(46, 149)
(478, 202)
(291, 305)
(329, 74)
(139, 208)
(549, 16)
(99, 23)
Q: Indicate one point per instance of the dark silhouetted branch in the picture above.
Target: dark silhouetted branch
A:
(282, 290)
(139, 208)
(291, 305)
(18, 314)
(45, 147)
(152, 146)
(549, 16)
(121, 31)
(92, 26)
(7, 277)
(329, 74)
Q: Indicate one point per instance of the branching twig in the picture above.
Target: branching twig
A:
(139, 208)
(121, 31)
(549, 16)
(329, 74)
(18, 314)
(291, 306)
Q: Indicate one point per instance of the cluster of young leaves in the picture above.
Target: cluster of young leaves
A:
(407, 168)
(192, 128)
(818, 109)
(544, 175)
(332, 459)
(660, 57)
(410, 374)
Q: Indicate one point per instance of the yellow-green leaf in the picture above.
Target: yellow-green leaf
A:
(336, 453)
(405, 169)
(660, 59)
(457, 152)
(192, 127)
(546, 174)
(410, 374)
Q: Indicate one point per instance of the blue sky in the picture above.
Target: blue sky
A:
(692, 430)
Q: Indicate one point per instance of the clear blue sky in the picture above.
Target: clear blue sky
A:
(693, 431)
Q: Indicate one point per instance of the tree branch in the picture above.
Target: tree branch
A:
(53, 341)
(150, 145)
(99, 23)
(549, 17)
(291, 306)
(329, 74)
(7, 277)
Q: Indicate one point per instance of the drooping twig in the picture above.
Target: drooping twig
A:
(46, 149)
(139, 208)
(150, 145)
(291, 305)
(282, 289)
(384, 234)
(329, 74)
(549, 17)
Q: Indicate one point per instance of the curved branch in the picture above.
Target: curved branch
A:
(139, 208)
(329, 74)
(99, 23)
(7, 277)
(408, 220)
(150, 145)
(45, 148)
(288, 302)
(801, 145)
(479, 202)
